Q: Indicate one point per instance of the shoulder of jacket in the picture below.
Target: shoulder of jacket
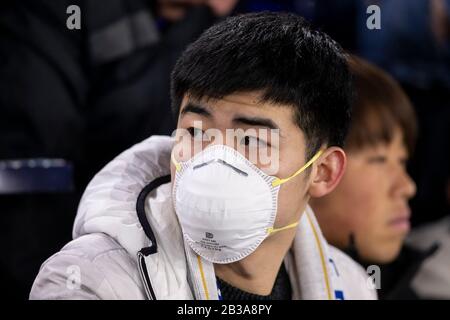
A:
(91, 246)
(89, 268)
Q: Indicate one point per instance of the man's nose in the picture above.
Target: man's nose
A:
(405, 186)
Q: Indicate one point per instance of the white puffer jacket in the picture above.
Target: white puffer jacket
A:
(128, 244)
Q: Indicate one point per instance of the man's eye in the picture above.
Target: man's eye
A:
(196, 133)
(253, 142)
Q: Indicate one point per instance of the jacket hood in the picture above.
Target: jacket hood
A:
(109, 203)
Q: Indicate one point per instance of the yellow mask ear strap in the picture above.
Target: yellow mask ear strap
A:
(279, 181)
(289, 226)
(175, 162)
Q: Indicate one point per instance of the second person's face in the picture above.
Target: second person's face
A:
(371, 202)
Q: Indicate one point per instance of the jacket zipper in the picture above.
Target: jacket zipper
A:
(144, 274)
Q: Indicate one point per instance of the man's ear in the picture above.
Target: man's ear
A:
(328, 172)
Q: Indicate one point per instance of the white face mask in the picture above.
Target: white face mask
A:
(225, 204)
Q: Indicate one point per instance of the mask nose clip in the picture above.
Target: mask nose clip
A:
(239, 171)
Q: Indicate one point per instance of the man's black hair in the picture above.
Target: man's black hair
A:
(281, 56)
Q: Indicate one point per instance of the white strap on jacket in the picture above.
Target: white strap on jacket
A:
(202, 276)
(308, 262)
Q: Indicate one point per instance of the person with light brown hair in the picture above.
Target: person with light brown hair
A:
(371, 201)
(368, 213)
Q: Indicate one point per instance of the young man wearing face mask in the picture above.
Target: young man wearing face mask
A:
(197, 217)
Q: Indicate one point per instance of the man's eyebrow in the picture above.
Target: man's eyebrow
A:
(195, 108)
(256, 121)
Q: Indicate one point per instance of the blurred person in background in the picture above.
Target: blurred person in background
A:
(82, 96)
(368, 212)
(413, 45)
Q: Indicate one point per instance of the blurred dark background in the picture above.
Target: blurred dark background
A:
(71, 100)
